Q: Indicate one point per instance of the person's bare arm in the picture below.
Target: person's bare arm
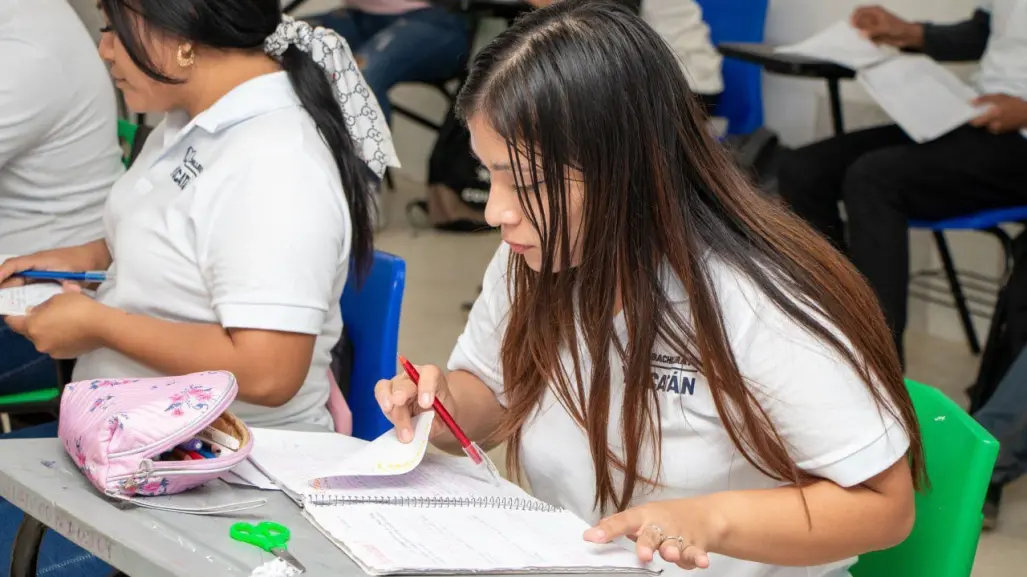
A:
(270, 366)
(821, 523)
(475, 409)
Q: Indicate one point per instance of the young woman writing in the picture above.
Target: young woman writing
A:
(668, 354)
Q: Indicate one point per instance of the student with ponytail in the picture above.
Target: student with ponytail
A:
(229, 241)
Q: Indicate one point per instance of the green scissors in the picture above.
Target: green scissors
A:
(271, 537)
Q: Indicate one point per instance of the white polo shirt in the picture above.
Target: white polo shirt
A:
(236, 218)
(1004, 64)
(819, 405)
(59, 152)
(681, 25)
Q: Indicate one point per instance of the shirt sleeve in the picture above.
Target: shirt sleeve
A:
(960, 42)
(478, 349)
(823, 410)
(275, 239)
(29, 93)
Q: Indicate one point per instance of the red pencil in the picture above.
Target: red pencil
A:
(470, 448)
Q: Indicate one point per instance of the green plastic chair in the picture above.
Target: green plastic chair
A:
(46, 400)
(960, 457)
(127, 135)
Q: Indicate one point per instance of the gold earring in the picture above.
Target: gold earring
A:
(185, 56)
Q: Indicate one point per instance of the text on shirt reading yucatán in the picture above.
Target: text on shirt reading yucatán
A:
(671, 375)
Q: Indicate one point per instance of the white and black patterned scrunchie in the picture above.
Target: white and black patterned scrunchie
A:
(367, 126)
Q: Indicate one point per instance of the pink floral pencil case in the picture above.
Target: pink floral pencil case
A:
(117, 430)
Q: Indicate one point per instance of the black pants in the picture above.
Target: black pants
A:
(885, 180)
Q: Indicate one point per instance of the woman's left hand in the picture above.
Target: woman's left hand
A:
(63, 327)
(683, 531)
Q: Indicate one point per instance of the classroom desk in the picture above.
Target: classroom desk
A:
(38, 477)
(794, 65)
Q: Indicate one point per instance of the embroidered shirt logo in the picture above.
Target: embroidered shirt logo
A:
(188, 170)
(671, 375)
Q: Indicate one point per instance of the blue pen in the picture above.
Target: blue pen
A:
(87, 276)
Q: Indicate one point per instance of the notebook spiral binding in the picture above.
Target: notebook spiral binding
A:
(509, 503)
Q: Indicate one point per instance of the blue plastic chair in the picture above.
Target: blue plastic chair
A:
(738, 21)
(371, 316)
(987, 221)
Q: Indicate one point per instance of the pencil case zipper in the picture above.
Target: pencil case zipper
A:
(142, 476)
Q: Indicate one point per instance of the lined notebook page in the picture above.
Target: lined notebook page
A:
(438, 479)
(293, 458)
(400, 540)
(298, 461)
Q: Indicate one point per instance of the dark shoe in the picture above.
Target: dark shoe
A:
(991, 506)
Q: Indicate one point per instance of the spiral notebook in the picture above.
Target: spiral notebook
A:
(328, 468)
(396, 509)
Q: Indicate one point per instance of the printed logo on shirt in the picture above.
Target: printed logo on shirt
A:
(671, 375)
(188, 170)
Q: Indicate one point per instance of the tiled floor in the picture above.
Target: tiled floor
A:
(444, 270)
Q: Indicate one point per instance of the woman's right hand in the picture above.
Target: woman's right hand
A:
(70, 259)
(401, 400)
(883, 27)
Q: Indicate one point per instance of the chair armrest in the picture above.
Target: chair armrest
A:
(787, 64)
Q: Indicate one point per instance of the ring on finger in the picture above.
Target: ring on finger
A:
(680, 542)
(658, 531)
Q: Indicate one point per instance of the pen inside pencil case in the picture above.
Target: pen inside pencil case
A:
(203, 446)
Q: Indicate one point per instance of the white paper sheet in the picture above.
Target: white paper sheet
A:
(843, 44)
(924, 98)
(387, 455)
(339, 468)
(246, 474)
(386, 540)
(293, 458)
(15, 301)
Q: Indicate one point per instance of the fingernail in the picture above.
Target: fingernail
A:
(406, 435)
(425, 400)
(386, 405)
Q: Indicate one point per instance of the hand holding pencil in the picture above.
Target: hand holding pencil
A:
(401, 399)
(417, 391)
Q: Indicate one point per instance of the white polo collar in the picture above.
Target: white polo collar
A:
(252, 98)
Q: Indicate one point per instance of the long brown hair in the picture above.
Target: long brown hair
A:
(587, 85)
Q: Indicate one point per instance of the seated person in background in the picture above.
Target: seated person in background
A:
(671, 355)
(229, 240)
(885, 179)
(230, 237)
(59, 152)
(680, 24)
(402, 41)
(1005, 417)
